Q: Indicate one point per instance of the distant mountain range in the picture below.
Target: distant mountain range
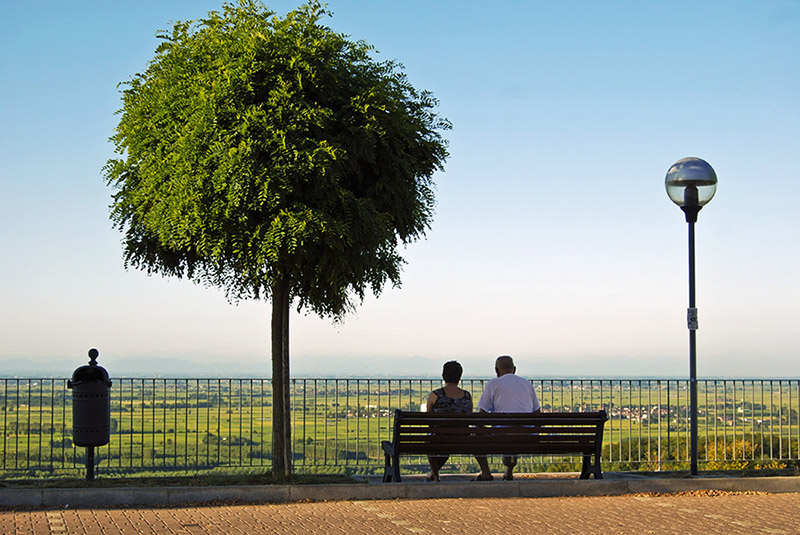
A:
(126, 367)
(343, 367)
(176, 367)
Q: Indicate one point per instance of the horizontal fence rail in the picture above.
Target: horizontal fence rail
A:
(195, 425)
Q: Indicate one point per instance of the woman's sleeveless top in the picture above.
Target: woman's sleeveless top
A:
(444, 403)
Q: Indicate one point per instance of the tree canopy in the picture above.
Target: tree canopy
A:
(257, 147)
(274, 158)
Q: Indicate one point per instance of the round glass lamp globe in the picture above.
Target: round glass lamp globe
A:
(691, 182)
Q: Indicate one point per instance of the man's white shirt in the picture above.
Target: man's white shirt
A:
(509, 393)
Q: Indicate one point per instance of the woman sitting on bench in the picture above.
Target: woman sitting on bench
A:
(449, 398)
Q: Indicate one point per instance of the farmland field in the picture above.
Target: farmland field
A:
(171, 426)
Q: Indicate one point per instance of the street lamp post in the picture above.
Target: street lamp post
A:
(691, 183)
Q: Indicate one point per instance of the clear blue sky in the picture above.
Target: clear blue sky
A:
(554, 240)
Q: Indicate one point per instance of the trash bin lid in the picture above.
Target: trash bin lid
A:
(92, 372)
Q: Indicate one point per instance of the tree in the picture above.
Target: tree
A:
(274, 158)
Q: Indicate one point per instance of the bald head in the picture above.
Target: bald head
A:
(504, 365)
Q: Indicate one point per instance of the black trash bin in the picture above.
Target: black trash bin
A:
(91, 408)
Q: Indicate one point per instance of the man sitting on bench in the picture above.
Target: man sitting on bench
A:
(507, 393)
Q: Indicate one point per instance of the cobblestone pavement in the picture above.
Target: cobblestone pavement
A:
(725, 513)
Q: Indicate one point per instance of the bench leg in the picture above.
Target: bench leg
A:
(396, 469)
(590, 468)
(598, 474)
(586, 466)
(387, 469)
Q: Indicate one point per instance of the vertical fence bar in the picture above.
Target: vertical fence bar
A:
(740, 422)
(725, 420)
(119, 393)
(707, 411)
(571, 395)
(780, 419)
(16, 426)
(682, 412)
(151, 451)
(305, 420)
(789, 418)
(763, 422)
(131, 424)
(734, 413)
(337, 414)
(261, 432)
(685, 410)
(295, 434)
(748, 417)
(369, 416)
(162, 439)
(228, 417)
(5, 423)
(251, 410)
(240, 439)
(52, 419)
(747, 420)
(669, 417)
(743, 407)
(771, 417)
(649, 415)
(347, 423)
(620, 412)
(637, 413)
(316, 409)
(175, 421)
(41, 422)
(67, 426)
(185, 386)
(753, 420)
(752, 417)
(623, 409)
(716, 419)
(735, 420)
(797, 420)
(27, 424)
(601, 402)
(196, 408)
(325, 423)
(143, 418)
(358, 416)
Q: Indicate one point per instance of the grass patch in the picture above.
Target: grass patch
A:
(790, 471)
(212, 480)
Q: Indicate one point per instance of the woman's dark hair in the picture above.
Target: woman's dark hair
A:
(451, 372)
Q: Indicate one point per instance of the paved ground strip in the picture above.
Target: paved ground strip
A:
(703, 512)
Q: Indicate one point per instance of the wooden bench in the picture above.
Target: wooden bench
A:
(480, 433)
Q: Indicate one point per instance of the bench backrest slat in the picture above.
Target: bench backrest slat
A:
(495, 449)
(496, 430)
(498, 433)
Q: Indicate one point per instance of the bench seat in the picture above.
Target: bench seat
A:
(543, 433)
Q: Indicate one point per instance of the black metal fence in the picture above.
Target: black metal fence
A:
(195, 425)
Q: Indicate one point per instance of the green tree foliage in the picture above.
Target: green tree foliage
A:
(274, 158)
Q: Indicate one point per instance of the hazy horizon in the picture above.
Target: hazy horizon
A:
(340, 368)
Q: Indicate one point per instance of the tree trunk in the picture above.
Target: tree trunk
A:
(281, 415)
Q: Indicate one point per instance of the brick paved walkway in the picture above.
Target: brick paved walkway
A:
(729, 514)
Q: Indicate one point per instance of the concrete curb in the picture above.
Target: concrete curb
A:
(525, 488)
